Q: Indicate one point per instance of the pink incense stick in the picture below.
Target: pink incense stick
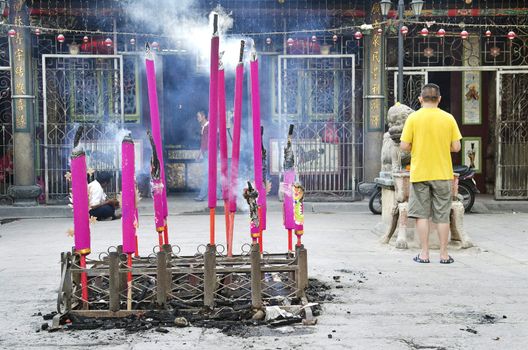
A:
(237, 125)
(81, 215)
(156, 129)
(128, 195)
(289, 179)
(257, 139)
(222, 127)
(213, 118)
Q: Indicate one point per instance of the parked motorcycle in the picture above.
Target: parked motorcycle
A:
(467, 188)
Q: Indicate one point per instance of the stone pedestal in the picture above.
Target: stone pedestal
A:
(24, 196)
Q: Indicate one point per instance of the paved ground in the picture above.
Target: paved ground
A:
(388, 301)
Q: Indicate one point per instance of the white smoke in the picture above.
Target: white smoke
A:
(189, 28)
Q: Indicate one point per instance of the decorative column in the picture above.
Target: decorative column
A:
(373, 96)
(24, 191)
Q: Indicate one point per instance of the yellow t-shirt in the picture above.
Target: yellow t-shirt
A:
(430, 131)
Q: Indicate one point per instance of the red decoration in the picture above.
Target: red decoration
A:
(12, 33)
(495, 51)
(268, 41)
(379, 31)
(404, 30)
(132, 41)
(334, 38)
(464, 35)
(441, 33)
(290, 42)
(511, 35)
(60, 38)
(488, 33)
(96, 46)
(37, 31)
(424, 32)
(85, 39)
(108, 42)
(358, 35)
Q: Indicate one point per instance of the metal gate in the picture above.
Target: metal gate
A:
(412, 85)
(316, 94)
(512, 135)
(6, 130)
(80, 89)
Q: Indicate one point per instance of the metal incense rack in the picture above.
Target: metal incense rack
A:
(165, 280)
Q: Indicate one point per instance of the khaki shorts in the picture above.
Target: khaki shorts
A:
(430, 199)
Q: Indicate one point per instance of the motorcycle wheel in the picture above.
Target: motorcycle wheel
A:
(375, 202)
(467, 196)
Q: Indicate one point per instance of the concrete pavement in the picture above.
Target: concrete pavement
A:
(387, 301)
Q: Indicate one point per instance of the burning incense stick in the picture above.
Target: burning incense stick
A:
(213, 127)
(289, 179)
(251, 197)
(157, 190)
(222, 126)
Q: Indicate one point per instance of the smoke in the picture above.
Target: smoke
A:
(188, 28)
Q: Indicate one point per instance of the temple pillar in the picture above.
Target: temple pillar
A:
(24, 191)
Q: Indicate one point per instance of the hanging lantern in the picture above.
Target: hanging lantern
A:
(37, 31)
(60, 38)
(424, 32)
(12, 33)
(155, 45)
(358, 35)
(464, 34)
(290, 42)
(441, 33)
(268, 41)
(511, 35)
(488, 33)
(108, 42)
(379, 31)
(132, 41)
(404, 30)
(85, 39)
(334, 38)
(314, 38)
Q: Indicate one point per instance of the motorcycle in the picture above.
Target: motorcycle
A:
(467, 188)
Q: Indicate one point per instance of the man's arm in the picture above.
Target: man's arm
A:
(455, 146)
(405, 146)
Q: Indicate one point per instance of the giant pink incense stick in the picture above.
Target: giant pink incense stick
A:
(156, 133)
(213, 127)
(128, 195)
(235, 153)
(222, 131)
(289, 179)
(128, 200)
(257, 140)
(157, 189)
(81, 208)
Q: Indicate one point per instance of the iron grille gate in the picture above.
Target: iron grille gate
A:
(316, 94)
(412, 87)
(6, 126)
(80, 89)
(512, 135)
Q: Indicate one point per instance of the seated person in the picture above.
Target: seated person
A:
(101, 207)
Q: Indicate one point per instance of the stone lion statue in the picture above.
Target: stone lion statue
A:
(392, 158)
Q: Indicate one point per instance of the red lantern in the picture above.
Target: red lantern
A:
(464, 35)
(60, 38)
(268, 41)
(379, 31)
(12, 33)
(488, 34)
(511, 35)
(37, 31)
(132, 41)
(290, 42)
(85, 39)
(424, 32)
(404, 30)
(108, 42)
(314, 38)
(334, 38)
(441, 33)
(358, 35)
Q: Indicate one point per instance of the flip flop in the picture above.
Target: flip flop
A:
(449, 260)
(420, 260)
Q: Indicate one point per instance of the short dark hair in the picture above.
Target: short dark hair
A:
(430, 92)
(103, 177)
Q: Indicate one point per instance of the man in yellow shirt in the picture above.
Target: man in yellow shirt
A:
(431, 134)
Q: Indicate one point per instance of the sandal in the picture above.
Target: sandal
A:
(420, 260)
(449, 260)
